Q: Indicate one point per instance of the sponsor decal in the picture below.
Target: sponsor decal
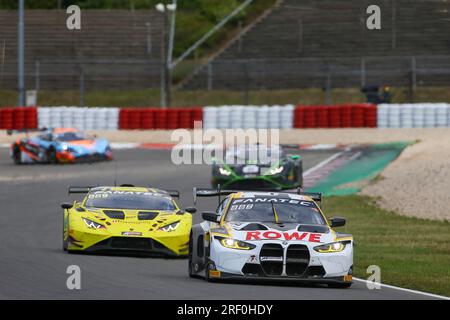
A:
(132, 222)
(132, 233)
(106, 193)
(252, 169)
(277, 259)
(274, 200)
(287, 236)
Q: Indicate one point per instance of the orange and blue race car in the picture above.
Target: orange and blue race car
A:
(56, 146)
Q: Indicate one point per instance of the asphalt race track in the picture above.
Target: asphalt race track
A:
(33, 265)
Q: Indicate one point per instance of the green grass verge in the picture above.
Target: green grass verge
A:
(412, 253)
(151, 97)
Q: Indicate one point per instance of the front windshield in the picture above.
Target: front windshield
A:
(70, 136)
(253, 154)
(129, 200)
(276, 210)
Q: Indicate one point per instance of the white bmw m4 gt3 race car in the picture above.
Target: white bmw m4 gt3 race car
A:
(270, 236)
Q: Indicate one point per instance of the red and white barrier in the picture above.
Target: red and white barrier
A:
(98, 118)
(18, 118)
(248, 117)
(425, 115)
(158, 119)
(417, 115)
(342, 116)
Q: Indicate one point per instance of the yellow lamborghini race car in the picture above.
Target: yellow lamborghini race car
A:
(126, 219)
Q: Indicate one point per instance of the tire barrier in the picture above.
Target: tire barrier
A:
(98, 118)
(158, 119)
(248, 117)
(18, 118)
(342, 116)
(418, 115)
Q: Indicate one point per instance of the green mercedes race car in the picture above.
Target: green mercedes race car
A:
(258, 167)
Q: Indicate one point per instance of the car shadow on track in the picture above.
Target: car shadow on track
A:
(128, 255)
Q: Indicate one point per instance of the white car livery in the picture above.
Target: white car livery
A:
(272, 236)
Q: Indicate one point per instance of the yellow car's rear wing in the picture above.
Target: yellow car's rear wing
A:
(86, 189)
(79, 190)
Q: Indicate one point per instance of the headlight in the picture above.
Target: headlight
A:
(224, 172)
(93, 225)
(66, 148)
(331, 247)
(170, 227)
(275, 171)
(235, 244)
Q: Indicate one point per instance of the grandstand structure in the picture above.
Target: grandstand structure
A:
(323, 43)
(295, 44)
(114, 49)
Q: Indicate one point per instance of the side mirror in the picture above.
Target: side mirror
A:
(191, 210)
(66, 206)
(210, 216)
(337, 222)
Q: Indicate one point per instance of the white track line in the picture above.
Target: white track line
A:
(124, 145)
(406, 290)
(325, 162)
(321, 164)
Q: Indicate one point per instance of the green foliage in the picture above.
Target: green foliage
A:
(412, 253)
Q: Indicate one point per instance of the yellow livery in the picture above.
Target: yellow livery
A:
(126, 219)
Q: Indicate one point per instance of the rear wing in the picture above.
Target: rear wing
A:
(316, 196)
(208, 193)
(79, 190)
(11, 132)
(86, 189)
(173, 193)
(290, 146)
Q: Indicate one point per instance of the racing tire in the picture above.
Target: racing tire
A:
(207, 268)
(340, 285)
(207, 265)
(299, 177)
(190, 267)
(17, 155)
(65, 243)
(51, 156)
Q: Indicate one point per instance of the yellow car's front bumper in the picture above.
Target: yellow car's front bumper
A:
(169, 245)
(159, 243)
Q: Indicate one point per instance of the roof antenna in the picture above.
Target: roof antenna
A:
(115, 173)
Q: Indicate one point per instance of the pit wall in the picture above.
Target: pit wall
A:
(423, 115)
